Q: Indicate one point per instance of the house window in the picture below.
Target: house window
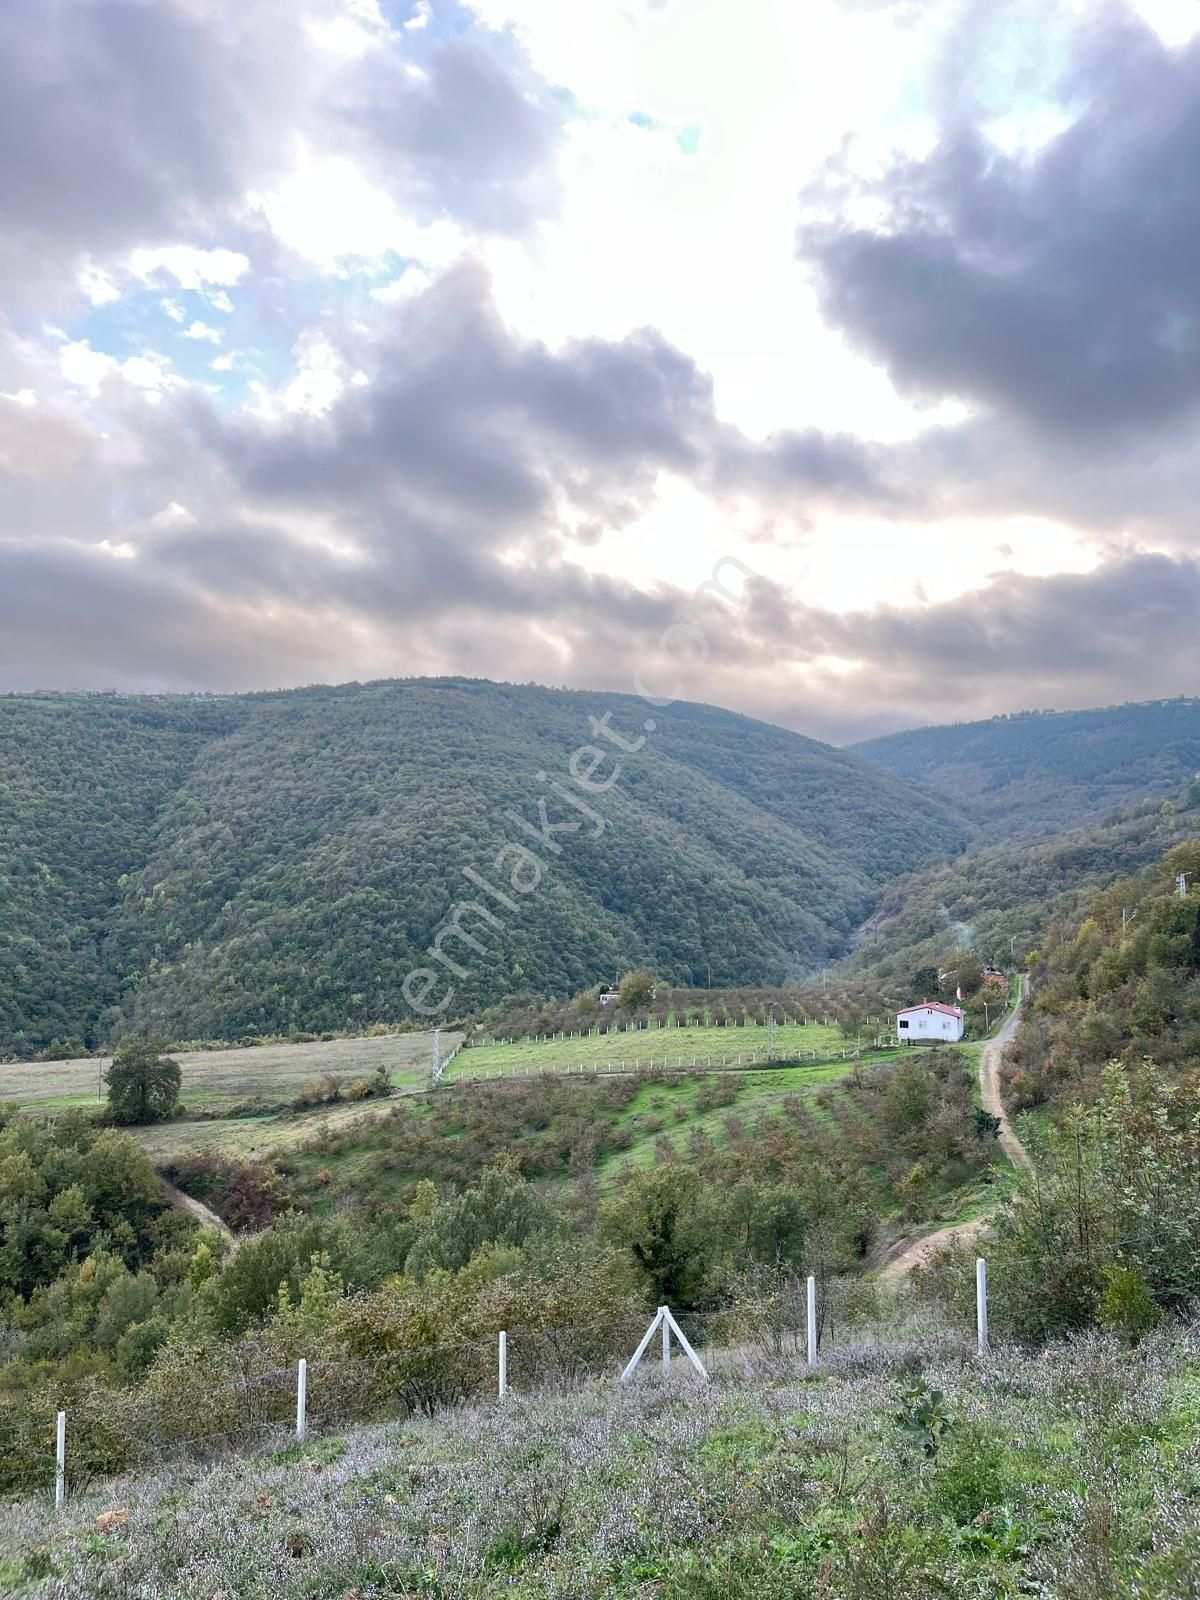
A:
(904, 1023)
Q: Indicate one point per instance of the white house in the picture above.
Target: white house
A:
(930, 1020)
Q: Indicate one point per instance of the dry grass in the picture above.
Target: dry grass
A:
(214, 1080)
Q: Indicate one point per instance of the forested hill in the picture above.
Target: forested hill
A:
(218, 867)
(1041, 772)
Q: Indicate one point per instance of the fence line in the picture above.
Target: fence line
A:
(741, 1062)
(455, 1385)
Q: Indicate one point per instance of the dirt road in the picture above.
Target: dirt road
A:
(990, 1058)
(196, 1208)
(910, 1253)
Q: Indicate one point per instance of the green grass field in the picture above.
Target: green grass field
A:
(707, 1046)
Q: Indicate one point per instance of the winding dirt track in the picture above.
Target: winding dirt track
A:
(910, 1253)
(203, 1215)
(990, 1058)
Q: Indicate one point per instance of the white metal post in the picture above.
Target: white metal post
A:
(981, 1320)
(666, 1336)
(686, 1347)
(812, 1321)
(301, 1398)
(642, 1348)
(503, 1379)
(60, 1461)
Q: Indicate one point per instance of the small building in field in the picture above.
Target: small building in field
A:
(996, 978)
(931, 1020)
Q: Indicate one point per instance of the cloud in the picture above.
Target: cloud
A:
(410, 499)
(1056, 286)
(201, 332)
(142, 126)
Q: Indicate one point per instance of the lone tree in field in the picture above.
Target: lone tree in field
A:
(143, 1082)
(636, 989)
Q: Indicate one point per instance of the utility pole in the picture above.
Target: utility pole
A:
(1181, 885)
(771, 1032)
(437, 1057)
(1127, 916)
(1012, 947)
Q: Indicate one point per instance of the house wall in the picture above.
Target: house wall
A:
(929, 1025)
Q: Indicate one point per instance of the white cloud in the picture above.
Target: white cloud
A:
(220, 301)
(87, 369)
(328, 212)
(202, 331)
(173, 309)
(191, 268)
(421, 17)
(21, 397)
(412, 281)
(697, 238)
(98, 286)
(224, 363)
(172, 515)
(1175, 21)
(321, 375)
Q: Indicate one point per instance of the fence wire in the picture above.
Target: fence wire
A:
(244, 1401)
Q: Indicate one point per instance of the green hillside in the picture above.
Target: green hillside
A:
(83, 780)
(1117, 981)
(1043, 771)
(264, 863)
(1000, 900)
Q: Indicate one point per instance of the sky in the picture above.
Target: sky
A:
(348, 339)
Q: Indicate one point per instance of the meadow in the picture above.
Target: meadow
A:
(708, 1045)
(222, 1088)
(891, 1472)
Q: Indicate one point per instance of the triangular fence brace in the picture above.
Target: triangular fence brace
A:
(664, 1320)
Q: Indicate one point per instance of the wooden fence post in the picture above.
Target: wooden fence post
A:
(503, 1375)
(812, 1321)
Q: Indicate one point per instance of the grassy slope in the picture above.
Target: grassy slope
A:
(1072, 1474)
(709, 1046)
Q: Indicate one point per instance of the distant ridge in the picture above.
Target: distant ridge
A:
(1038, 772)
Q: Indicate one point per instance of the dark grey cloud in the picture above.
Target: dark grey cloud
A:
(473, 134)
(1124, 631)
(463, 425)
(1059, 288)
(129, 122)
(425, 522)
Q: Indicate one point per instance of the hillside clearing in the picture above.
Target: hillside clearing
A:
(670, 1047)
(217, 1079)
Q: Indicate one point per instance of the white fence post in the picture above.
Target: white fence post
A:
(981, 1314)
(60, 1461)
(641, 1349)
(812, 1321)
(666, 1336)
(301, 1398)
(503, 1377)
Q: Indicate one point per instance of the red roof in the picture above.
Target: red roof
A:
(931, 1005)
